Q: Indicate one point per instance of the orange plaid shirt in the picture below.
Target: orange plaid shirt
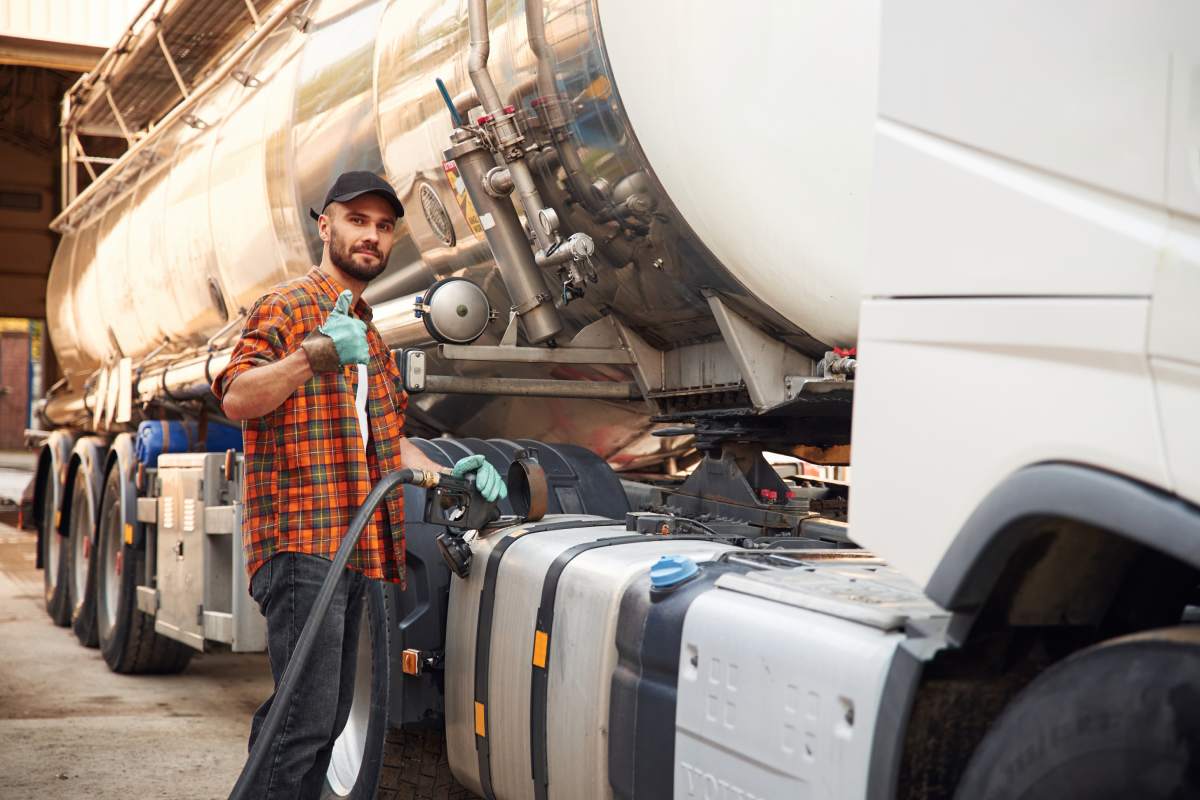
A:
(306, 470)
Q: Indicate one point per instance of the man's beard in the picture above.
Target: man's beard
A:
(343, 259)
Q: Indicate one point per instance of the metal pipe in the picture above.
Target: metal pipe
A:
(477, 60)
(577, 247)
(464, 102)
(556, 120)
(506, 237)
(253, 13)
(531, 387)
(187, 376)
(166, 51)
(66, 159)
(112, 104)
(535, 26)
(77, 149)
(531, 201)
(506, 128)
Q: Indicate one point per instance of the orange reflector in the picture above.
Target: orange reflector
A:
(410, 662)
(128, 533)
(480, 726)
(540, 644)
(57, 519)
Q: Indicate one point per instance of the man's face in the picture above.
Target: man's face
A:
(360, 233)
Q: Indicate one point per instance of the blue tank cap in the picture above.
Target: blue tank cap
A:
(669, 571)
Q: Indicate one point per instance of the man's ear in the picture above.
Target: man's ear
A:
(323, 227)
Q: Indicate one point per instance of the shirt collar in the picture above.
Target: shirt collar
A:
(332, 289)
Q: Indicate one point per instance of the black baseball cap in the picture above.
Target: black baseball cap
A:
(350, 185)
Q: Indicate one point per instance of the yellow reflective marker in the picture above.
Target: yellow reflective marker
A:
(57, 518)
(541, 643)
(480, 727)
(128, 533)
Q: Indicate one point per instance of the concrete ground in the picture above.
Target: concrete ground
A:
(70, 728)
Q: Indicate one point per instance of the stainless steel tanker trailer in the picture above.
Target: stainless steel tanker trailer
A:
(637, 256)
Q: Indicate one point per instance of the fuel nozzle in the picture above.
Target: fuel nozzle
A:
(457, 505)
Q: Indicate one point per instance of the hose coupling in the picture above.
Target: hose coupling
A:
(426, 479)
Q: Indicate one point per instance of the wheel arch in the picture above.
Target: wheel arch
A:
(1060, 535)
(52, 458)
(1057, 558)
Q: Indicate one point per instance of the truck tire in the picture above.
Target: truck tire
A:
(415, 765)
(370, 759)
(357, 756)
(1119, 720)
(81, 564)
(126, 635)
(54, 558)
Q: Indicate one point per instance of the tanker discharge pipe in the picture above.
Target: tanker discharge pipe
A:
(189, 375)
(502, 121)
(505, 235)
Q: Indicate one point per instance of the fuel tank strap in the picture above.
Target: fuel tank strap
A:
(483, 636)
(540, 683)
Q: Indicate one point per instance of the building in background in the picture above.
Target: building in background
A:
(44, 47)
(20, 377)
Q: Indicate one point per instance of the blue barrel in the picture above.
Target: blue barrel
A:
(155, 437)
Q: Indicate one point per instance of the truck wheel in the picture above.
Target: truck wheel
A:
(126, 635)
(1119, 720)
(370, 760)
(54, 559)
(357, 754)
(80, 563)
(415, 765)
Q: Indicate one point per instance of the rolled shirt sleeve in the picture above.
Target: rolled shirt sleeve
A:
(267, 337)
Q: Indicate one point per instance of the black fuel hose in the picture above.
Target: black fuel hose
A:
(299, 659)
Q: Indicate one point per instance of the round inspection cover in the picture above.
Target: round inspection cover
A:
(458, 311)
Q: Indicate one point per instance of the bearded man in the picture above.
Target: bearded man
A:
(322, 414)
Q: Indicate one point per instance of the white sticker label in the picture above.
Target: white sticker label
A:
(459, 186)
(487, 222)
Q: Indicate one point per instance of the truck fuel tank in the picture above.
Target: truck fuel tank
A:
(582, 664)
(531, 650)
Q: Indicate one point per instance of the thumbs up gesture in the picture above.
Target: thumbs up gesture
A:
(347, 335)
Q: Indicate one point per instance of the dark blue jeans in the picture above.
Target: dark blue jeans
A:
(285, 589)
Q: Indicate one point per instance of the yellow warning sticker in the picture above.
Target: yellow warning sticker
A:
(480, 720)
(128, 533)
(462, 198)
(541, 643)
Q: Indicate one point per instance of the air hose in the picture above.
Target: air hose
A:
(300, 656)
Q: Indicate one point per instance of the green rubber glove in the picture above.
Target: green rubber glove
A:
(349, 334)
(487, 479)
